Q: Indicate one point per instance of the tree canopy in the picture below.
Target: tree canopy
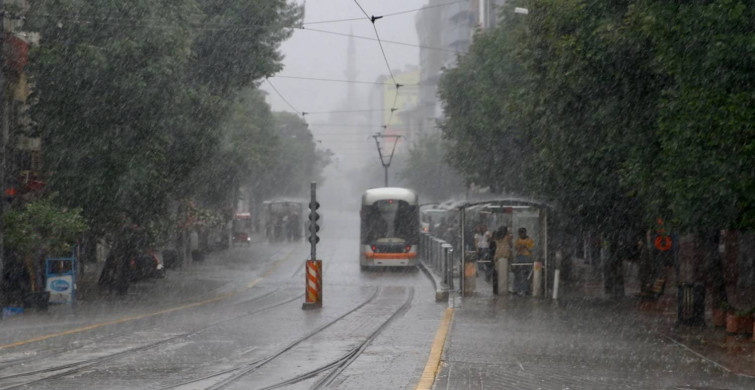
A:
(136, 100)
(620, 112)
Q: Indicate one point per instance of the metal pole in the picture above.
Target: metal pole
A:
(386, 175)
(450, 267)
(3, 141)
(545, 246)
(313, 223)
(462, 222)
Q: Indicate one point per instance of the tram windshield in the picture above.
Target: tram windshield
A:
(390, 221)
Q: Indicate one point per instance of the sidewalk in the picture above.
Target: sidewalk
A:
(585, 342)
(179, 285)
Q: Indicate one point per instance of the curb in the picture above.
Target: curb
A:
(440, 293)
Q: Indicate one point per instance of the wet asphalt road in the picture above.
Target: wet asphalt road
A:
(236, 321)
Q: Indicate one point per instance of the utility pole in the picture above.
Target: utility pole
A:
(3, 142)
(387, 164)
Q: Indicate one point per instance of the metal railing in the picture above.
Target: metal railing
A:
(438, 255)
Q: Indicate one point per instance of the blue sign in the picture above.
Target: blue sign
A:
(60, 285)
(61, 278)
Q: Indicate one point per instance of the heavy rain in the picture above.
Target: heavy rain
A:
(377, 194)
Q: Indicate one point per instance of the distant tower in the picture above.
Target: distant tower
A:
(351, 69)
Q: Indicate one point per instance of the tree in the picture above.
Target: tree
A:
(568, 98)
(705, 132)
(298, 161)
(624, 111)
(428, 172)
(106, 99)
(41, 228)
(481, 104)
(130, 96)
(246, 147)
(239, 44)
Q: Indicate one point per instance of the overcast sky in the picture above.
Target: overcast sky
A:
(321, 55)
(317, 54)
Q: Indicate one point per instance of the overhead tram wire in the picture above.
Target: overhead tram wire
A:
(302, 113)
(375, 39)
(345, 125)
(387, 15)
(346, 111)
(131, 22)
(393, 109)
(424, 8)
(372, 19)
(341, 80)
(334, 21)
(151, 23)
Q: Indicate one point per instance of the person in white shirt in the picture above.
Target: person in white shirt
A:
(482, 245)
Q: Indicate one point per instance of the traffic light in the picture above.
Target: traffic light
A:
(313, 226)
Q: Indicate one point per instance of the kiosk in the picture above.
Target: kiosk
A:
(61, 279)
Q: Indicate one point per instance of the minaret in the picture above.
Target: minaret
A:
(351, 70)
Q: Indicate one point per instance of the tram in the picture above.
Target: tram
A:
(389, 229)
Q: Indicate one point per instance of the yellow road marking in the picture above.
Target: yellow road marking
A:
(251, 284)
(433, 362)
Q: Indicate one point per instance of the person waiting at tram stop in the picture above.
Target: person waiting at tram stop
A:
(501, 249)
(523, 263)
(482, 246)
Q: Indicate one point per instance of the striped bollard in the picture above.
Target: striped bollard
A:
(313, 295)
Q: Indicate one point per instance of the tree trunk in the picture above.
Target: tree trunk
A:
(613, 269)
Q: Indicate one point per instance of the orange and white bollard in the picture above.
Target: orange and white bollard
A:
(313, 294)
(537, 279)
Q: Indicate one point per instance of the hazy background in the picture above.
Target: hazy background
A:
(320, 55)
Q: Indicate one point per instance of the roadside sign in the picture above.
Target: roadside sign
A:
(61, 279)
(60, 288)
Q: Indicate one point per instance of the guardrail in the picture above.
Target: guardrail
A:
(438, 255)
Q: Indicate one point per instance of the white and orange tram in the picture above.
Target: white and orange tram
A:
(389, 229)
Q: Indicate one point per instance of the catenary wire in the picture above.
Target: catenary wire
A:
(283, 97)
(375, 39)
(224, 26)
(347, 111)
(387, 15)
(424, 8)
(372, 20)
(341, 80)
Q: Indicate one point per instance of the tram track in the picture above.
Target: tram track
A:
(249, 367)
(336, 367)
(62, 370)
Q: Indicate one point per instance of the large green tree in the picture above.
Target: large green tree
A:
(624, 111)
(108, 85)
(483, 112)
(130, 96)
(705, 127)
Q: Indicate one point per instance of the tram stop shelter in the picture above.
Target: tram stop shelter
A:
(514, 213)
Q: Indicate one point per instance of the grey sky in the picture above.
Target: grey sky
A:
(320, 55)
